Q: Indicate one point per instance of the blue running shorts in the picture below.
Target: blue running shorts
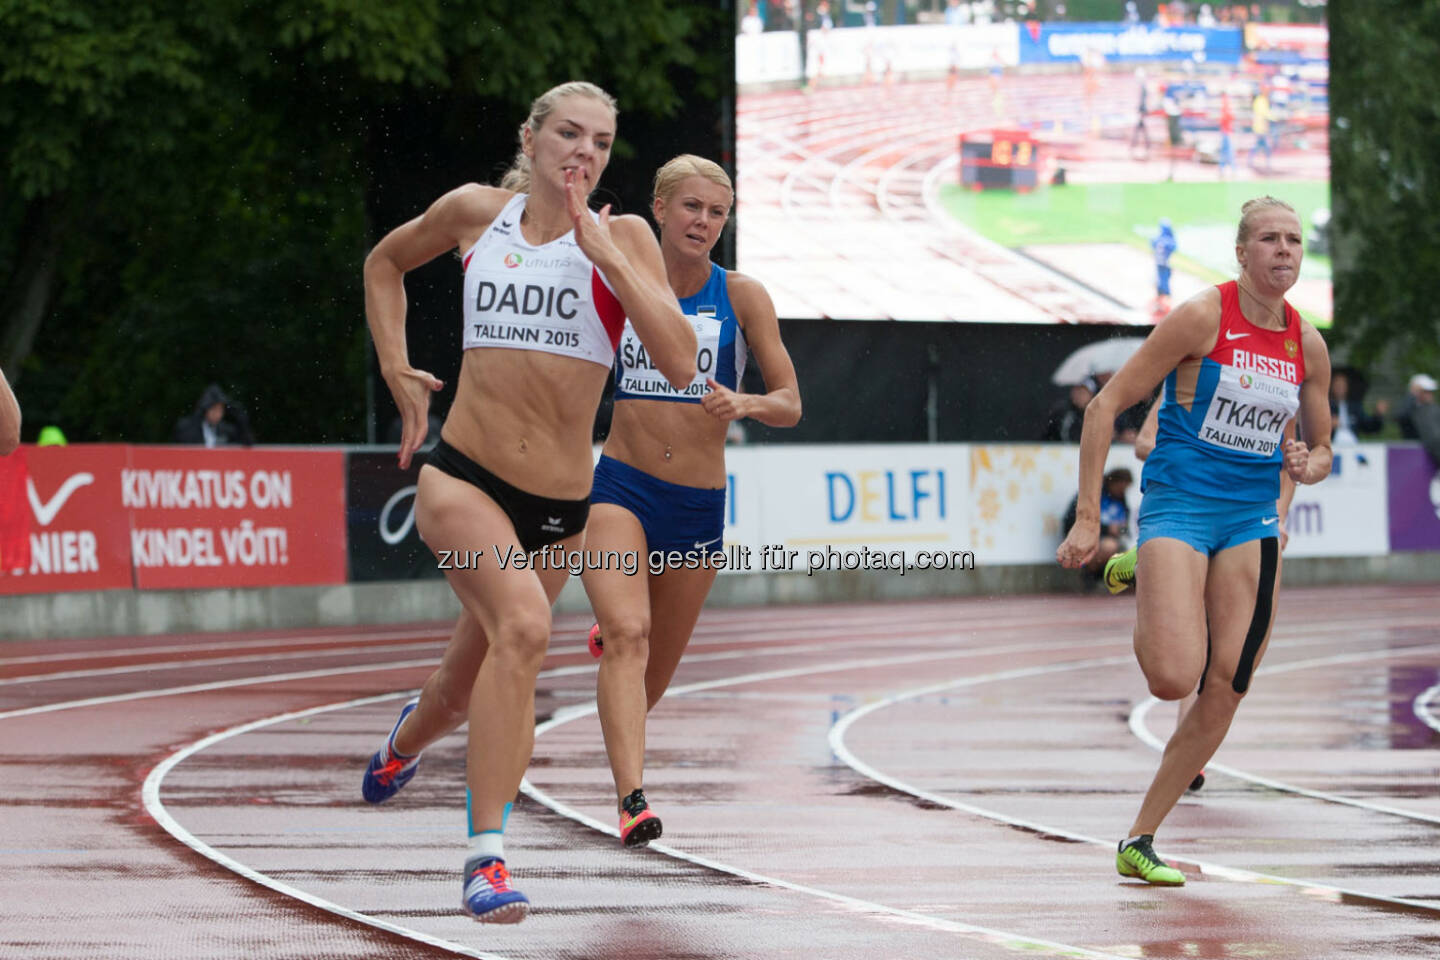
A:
(1206, 523)
(674, 517)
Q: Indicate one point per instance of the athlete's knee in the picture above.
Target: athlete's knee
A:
(1223, 683)
(1169, 683)
(521, 639)
(627, 636)
(1172, 670)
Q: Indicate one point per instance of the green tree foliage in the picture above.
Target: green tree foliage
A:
(1384, 150)
(184, 185)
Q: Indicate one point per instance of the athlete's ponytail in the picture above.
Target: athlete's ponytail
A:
(517, 178)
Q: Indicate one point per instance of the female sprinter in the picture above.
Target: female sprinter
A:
(660, 482)
(1238, 363)
(548, 285)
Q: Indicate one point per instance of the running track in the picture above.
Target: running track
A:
(926, 780)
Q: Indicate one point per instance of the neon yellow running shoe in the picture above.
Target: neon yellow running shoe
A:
(1136, 858)
(1120, 571)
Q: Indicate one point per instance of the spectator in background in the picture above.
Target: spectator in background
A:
(217, 421)
(1424, 414)
(752, 23)
(1226, 157)
(1420, 391)
(1163, 244)
(822, 20)
(1260, 124)
(1144, 108)
(1170, 103)
(1114, 521)
(1347, 412)
(9, 418)
(955, 14)
(1067, 418)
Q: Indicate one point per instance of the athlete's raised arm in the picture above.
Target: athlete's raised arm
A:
(454, 220)
(625, 251)
(779, 405)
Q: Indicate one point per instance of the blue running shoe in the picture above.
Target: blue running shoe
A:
(488, 896)
(388, 772)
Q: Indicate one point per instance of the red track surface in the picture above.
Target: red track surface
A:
(940, 779)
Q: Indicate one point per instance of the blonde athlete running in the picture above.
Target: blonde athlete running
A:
(548, 287)
(1238, 364)
(660, 483)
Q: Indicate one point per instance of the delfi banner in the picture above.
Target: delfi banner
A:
(1414, 485)
(71, 520)
(837, 507)
(235, 517)
(1122, 43)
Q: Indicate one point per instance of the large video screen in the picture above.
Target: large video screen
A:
(968, 167)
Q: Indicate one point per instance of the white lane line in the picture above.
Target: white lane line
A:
(1422, 707)
(851, 627)
(203, 645)
(881, 632)
(1142, 732)
(156, 808)
(150, 793)
(215, 685)
(1007, 939)
(215, 662)
(837, 744)
(153, 804)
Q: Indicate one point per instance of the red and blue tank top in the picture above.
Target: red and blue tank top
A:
(1223, 420)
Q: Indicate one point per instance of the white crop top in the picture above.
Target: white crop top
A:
(549, 298)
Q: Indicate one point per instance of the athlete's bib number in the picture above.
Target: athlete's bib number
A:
(639, 376)
(1249, 411)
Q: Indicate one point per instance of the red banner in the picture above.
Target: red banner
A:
(105, 517)
(235, 517)
(77, 530)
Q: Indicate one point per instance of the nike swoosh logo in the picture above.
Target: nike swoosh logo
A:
(1270, 521)
(45, 511)
(1234, 336)
(702, 546)
(505, 224)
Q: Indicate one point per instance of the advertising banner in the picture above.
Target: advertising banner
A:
(1345, 514)
(1312, 38)
(850, 54)
(1414, 486)
(380, 520)
(838, 507)
(1118, 42)
(745, 492)
(71, 521)
(235, 517)
(1021, 493)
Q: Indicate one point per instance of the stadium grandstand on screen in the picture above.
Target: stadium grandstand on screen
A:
(966, 166)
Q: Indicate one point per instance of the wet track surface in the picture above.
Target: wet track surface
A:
(921, 780)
